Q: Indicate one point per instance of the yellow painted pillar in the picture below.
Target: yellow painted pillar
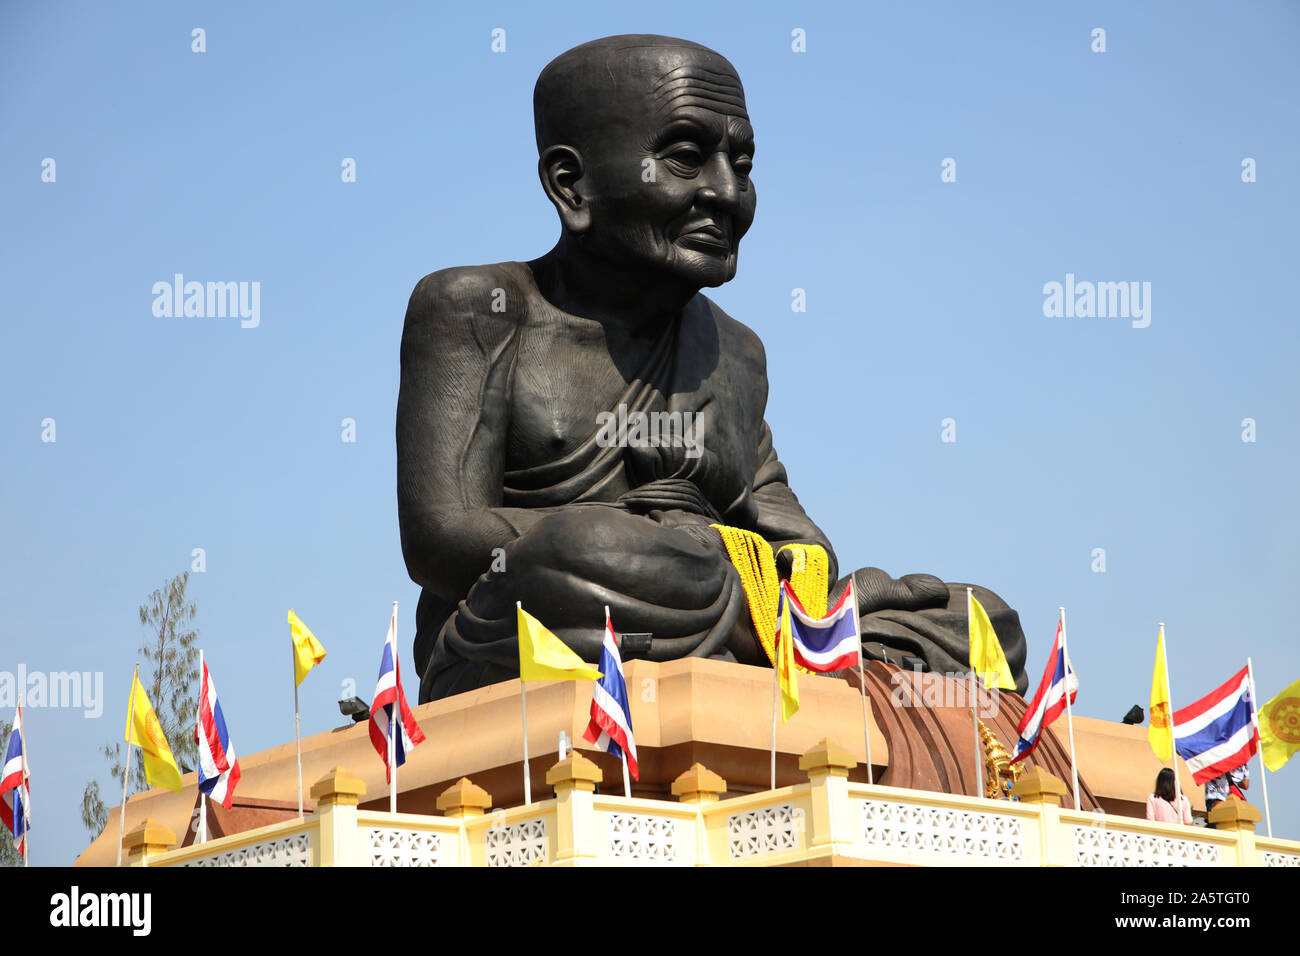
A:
(700, 786)
(1234, 815)
(831, 827)
(1041, 790)
(574, 779)
(148, 839)
(338, 841)
(462, 801)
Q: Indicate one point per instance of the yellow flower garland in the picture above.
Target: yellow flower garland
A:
(753, 559)
(756, 564)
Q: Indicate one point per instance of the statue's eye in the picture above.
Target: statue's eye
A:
(684, 159)
(743, 166)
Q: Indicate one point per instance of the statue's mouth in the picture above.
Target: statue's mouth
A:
(706, 237)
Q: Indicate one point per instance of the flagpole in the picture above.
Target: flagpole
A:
(627, 784)
(1069, 711)
(862, 680)
(523, 709)
(394, 711)
(297, 721)
(1173, 739)
(866, 733)
(975, 730)
(974, 697)
(198, 731)
(1259, 750)
(24, 791)
(776, 675)
(126, 764)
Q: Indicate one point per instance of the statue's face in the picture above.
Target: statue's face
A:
(669, 182)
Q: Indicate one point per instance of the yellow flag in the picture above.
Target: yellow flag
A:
(543, 656)
(986, 657)
(143, 729)
(307, 651)
(1160, 731)
(1279, 727)
(787, 673)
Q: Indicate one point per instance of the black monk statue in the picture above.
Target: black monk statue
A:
(570, 430)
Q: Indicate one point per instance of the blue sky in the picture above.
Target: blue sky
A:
(924, 302)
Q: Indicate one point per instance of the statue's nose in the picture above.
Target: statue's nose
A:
(720, 186)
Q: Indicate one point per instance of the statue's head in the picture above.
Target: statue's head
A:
(645, 150)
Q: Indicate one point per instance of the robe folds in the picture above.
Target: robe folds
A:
(515, 485)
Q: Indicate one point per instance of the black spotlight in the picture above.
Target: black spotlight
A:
(356, 708)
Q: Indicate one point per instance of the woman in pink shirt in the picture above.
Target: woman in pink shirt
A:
(1160, 805)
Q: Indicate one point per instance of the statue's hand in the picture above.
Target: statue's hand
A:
(785, 564)
(669, 494)
(877, 591)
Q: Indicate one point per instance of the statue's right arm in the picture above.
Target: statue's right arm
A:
(452, 417)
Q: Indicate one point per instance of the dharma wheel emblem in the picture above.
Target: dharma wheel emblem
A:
(1285, 720)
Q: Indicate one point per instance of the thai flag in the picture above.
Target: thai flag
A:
(388, 691)
(15, 800)
(218, 765)
(1218, 732)
(1049, 700)
(824, 644)
(610, 728)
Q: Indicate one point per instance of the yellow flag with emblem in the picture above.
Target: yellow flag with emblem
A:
(1279, 727)
(307, 651)
(144, 730)
(986, 657)
(786, 672)
(1160, 730)
(543, 656)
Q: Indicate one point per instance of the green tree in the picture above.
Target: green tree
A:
(169, 672)
(9, 855)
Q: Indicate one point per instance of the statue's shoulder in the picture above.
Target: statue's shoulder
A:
(736, 339)
(481, 296)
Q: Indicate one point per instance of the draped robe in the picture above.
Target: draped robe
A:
(509, 489)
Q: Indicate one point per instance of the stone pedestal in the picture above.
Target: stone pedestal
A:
(685, 713)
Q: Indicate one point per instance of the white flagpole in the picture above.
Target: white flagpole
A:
(1069, 712)
(975, 729)
(862, 680)
(297, 722)
(523, 709)
(198, 733)
(1259, 751)
(775, 679)
(126, 764)
(866, 732)
(26, 792)
(776, 675)
(974, 697)
(627, 785)
(394, 716)
(1178, 784)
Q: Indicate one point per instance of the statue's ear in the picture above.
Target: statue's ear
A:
(560, 168)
